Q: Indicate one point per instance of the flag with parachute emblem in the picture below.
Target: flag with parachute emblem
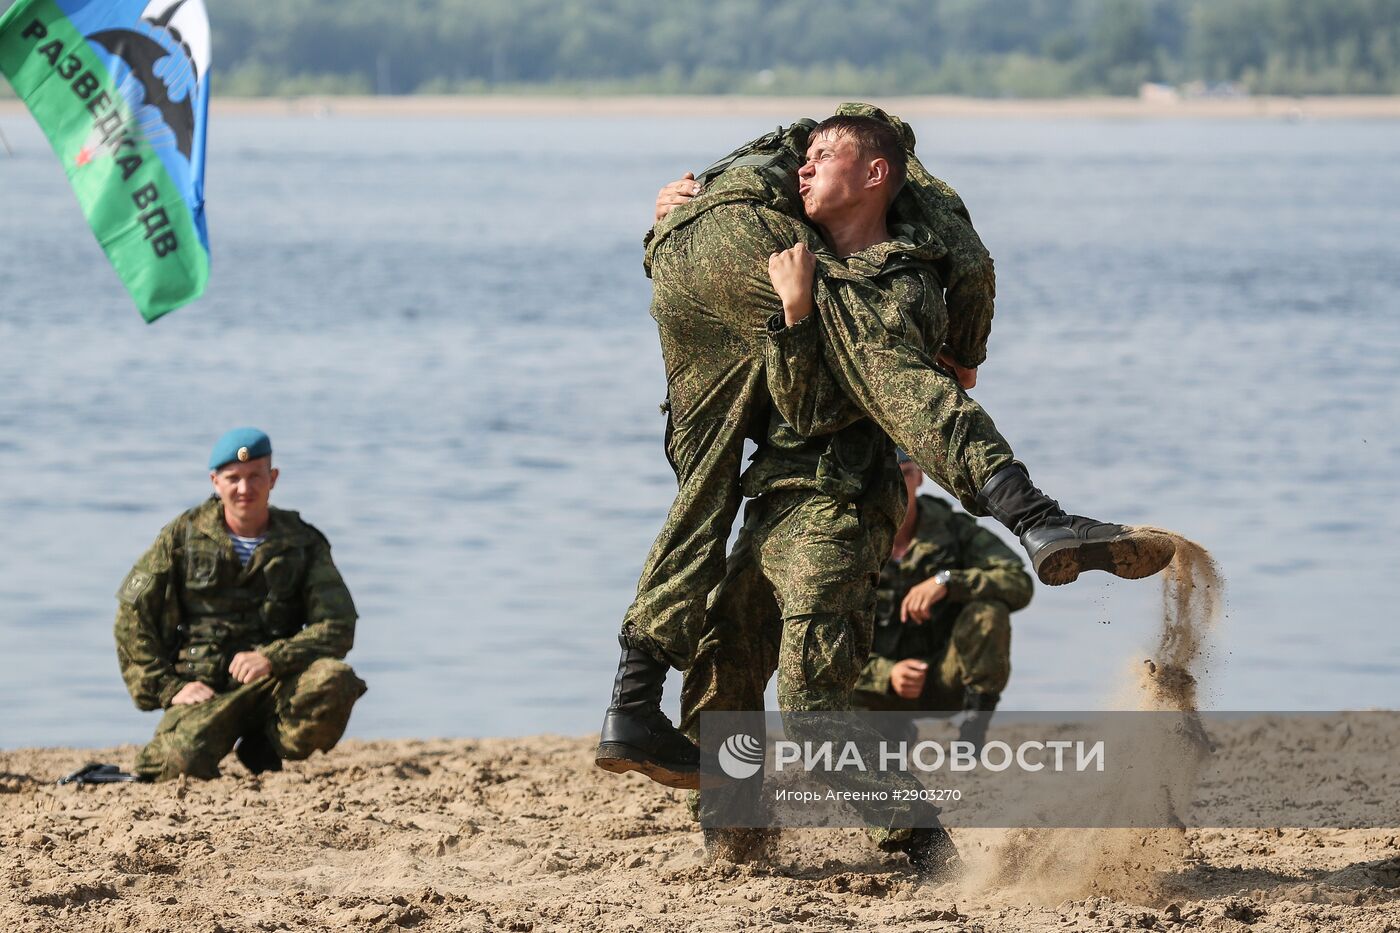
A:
(121, 89)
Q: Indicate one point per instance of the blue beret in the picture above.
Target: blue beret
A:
(240, 444)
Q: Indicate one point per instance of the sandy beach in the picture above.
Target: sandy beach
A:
(526, 835)
(1089, 108)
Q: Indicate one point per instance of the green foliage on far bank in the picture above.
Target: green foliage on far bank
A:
(1020, 48)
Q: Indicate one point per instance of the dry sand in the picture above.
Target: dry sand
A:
(525, 105)
(527, 835)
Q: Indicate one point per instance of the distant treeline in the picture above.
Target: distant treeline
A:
(1024, 48)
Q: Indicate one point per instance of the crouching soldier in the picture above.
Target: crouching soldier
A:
(234, 622)
(943, 620)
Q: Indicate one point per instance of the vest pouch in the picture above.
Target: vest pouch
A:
(207, 652)
(201, 566)
(282, 611)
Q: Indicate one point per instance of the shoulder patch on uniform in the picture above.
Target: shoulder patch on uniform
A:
(136, 583)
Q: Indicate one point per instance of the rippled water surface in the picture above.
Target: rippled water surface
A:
(442, 324)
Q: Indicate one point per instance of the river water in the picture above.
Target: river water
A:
(443, 325)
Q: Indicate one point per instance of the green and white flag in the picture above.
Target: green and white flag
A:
(121, 89)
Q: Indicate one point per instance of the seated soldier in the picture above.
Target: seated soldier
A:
(234, 622)
(943, 617)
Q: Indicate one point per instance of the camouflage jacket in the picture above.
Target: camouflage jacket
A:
(964, 267)
(189, 604)
(816, 434)
(965, 270)
(981, 568)
(881, 319)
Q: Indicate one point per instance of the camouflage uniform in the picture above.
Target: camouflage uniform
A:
(798, 596)
(869, 349)
(189, 605)
(967, 640)
(796, 599)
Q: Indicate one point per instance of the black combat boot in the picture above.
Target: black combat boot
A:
(636, 735)
(977, 717)
(931, 853)
(1062, 546)
(257, 753)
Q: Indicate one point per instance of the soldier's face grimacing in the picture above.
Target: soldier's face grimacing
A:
(835, 177)
(244, 488)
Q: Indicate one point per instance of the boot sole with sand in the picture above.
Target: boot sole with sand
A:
(619, 759)
(1132, 555)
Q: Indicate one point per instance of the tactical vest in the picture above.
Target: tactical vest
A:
(778, 155)
(763, 170)
(226, 608)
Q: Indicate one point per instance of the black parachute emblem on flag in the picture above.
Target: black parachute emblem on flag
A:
(165, 72)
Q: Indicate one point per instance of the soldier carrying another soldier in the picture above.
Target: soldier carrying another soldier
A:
(823, 343)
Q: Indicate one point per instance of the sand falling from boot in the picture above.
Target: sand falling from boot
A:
(1052, 865)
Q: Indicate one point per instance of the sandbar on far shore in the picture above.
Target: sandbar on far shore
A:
(921, 107)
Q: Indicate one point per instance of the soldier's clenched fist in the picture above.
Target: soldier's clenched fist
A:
(791, 271)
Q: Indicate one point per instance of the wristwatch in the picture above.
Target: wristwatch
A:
(942, 577)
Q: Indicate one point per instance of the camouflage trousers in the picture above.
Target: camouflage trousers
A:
(300, 714)
(976, 657)
(711, 301)
(798, 599)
